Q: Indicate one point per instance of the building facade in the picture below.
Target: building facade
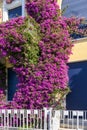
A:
(77, 63)
(77, 99)
(11, 9)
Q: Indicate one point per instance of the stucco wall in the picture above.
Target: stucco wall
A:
(79, 50)
(59, 3)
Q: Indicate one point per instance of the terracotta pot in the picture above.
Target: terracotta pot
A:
(8, 1)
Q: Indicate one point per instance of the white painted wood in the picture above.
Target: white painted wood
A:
(14, 4)
(23, 8)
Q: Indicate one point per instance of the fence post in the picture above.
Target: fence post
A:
(4, 113)
(50, 119)
(45, 118)
(77, 121)
(56, 120)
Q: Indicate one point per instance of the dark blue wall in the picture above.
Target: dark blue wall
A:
(15, 12)
(77, 99)
(12, 82)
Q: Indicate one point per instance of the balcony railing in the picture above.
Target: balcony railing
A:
(45, 119)
(82, 27)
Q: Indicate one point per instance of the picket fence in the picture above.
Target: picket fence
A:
(46, 119)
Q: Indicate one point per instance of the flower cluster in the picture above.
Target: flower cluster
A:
(74, 27)
(50, 73)
(19, 44)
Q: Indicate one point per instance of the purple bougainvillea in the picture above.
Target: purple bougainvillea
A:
(41, 63)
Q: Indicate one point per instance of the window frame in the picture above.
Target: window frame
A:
(15, 12)
(14, 4)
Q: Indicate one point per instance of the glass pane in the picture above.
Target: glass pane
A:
(16, 12)
(12, 82)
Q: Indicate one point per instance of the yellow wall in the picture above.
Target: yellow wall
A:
(79, 50)
(59, 3)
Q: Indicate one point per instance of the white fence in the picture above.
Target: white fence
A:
(26, 119)
(73, 120)
(46, 119)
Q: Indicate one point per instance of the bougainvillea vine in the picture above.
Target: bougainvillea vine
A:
(38, 48)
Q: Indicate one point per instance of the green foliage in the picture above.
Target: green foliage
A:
(31, 32)
(29, 48)
(58, 96)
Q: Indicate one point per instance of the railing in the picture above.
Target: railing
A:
(73, 120)
(78, 35)
(26, 119)
(46, 119)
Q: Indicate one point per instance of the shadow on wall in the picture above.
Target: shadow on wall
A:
(77, 99)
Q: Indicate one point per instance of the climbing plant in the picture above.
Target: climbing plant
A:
(38, 47)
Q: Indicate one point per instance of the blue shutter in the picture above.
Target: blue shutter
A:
(12, 82)
(77, 99)
(16, 12)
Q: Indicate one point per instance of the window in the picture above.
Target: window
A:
(77, 99)
(16, 12)
(78, 9)
(75, 8)
(14, 9)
